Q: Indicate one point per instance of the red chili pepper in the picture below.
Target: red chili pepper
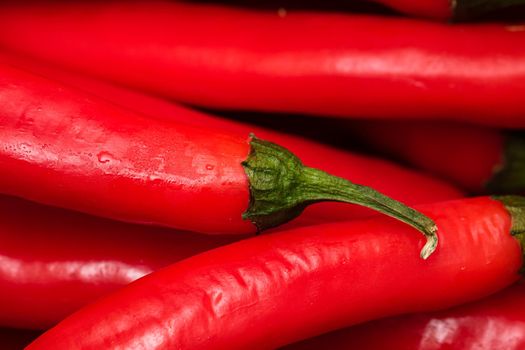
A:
(91, 156)
(387, 177)
(423, 189)
(74, 259)
(52, 262)
(479, 159)
(496, 323)
(315, 63)
(275, 289)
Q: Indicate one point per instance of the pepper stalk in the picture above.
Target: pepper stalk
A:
(281, 187)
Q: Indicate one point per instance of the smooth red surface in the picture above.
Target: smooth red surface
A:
(315, 63)
(65, 148)
(463, 154)
(275, 289)
(161, 171)
(52, 261)
(496, 323)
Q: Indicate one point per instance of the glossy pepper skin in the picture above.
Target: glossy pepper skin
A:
(52, 261)
(467, 155)
(388, 177)
(94, 157)
(73, 259)
(349, 165)
(495, 323)
(321, 64)
(117, 163)
(275, 289)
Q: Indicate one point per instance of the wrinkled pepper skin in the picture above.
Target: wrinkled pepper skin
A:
(117, 163)
(466, 155)
(307, 62)
(274, 289)
(52, 261)
(495, 323)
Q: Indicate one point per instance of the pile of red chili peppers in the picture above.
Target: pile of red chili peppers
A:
(262, 175)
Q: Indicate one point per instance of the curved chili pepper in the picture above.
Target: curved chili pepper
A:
(387, 177)
(495, 323)
(91, 156)
(275, 289)
(314, 63)
(72, 259)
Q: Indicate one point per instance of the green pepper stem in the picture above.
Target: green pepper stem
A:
(509, 177)
(515, 205)
(281, 187)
